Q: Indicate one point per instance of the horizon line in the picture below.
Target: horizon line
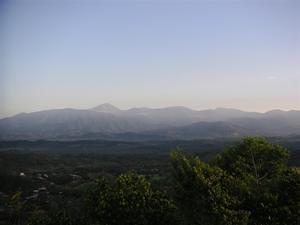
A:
(152, 108)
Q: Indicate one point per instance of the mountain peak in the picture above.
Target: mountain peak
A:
(107, 108)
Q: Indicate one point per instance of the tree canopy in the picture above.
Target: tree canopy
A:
(129, 200)
(249, 183)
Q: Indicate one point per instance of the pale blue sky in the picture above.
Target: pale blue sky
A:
(201, 54)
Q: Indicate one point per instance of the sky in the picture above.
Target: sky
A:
(200, 54)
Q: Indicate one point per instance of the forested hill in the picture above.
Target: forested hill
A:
(107, 122)
(247, 183)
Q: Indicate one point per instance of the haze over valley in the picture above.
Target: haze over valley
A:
(107, 122)
(149, 112)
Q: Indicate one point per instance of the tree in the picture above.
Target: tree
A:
(202, 192)
(40, 217)
(129, 200)
(249, 183)
(268, 188)
(16, 207)
(254, 160)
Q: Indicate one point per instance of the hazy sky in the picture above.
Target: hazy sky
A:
(200, 54)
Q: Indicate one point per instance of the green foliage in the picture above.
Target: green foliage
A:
(129, 200)
(16, 207)
(61, 217)
(254, 160)
(249, 183)
(202, 193)
(271, 188)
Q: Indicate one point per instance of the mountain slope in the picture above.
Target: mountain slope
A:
(66, 123)
(203, 130)
(108, 122)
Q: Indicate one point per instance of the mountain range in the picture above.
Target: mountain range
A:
(109, 122)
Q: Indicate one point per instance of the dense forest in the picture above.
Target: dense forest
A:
(253, 181)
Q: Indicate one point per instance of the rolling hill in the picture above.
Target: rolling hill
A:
(109, 122)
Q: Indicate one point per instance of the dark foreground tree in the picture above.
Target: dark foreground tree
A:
(129, 200)
(202, 193)
(269, 189)
(61, 217)
(250, 183)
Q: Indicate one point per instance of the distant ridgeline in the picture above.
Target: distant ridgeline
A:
(107, 122)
